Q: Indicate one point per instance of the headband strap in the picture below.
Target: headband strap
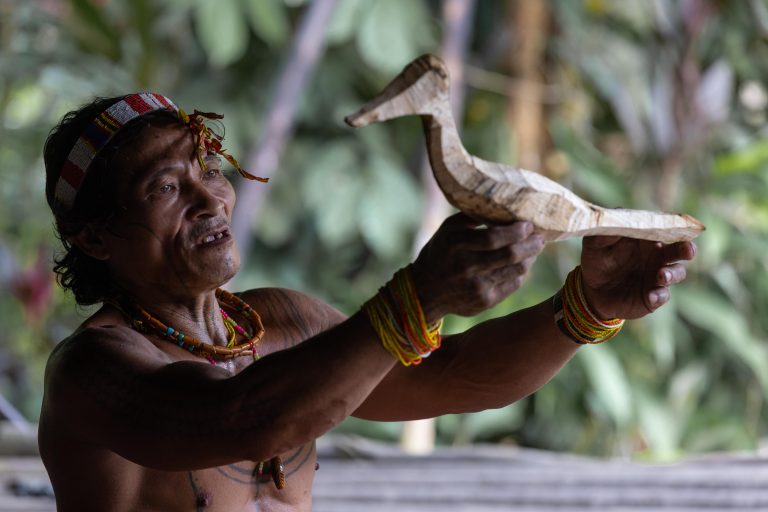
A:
(97, 135)
(102, 129)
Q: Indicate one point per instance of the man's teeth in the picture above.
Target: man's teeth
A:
(211, 238)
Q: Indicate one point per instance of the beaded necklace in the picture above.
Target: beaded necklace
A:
(210, 352)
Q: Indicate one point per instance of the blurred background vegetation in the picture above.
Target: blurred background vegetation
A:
(653, 104)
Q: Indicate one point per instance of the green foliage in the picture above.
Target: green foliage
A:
(269, 20)
(392, 32)
(223, 31)
(651, 111)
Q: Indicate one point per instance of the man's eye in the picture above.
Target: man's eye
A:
(212, 172)
(164, 189)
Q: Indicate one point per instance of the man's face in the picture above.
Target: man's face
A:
(173, 235)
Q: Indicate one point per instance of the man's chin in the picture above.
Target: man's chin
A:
(230, 266)
(218, 273)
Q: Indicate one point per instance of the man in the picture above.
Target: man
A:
(174, 396)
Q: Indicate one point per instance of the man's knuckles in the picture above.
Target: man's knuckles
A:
(478, 287)
(681, 251)
(494, 237)
(671, 274)
(518, 252)
(516, 282)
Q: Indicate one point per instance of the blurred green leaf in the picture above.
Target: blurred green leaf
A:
(660, 426)
(390, 209)
(608, 382)
(269, 20)
(495, 423)
(345, 20)
(222, 30)
(385, 431)
(332, 187)
(25, 106)
(392, 33)
(659, 329)
(715, 244)
(752, 158)
(711, 312)
(687, 385)
(590, 169)
(95, 30)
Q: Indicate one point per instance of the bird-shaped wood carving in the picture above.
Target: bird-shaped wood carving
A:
(498, 193)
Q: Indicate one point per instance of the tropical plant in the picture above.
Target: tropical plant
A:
(654, 105)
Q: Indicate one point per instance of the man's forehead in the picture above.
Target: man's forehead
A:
(160, 144)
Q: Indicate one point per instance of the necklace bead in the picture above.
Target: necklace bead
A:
(207, 350)
(211, 352)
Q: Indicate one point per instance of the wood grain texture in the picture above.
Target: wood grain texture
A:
(357, 475)
(497, 193)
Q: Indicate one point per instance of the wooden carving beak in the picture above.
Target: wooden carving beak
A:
(497, 193)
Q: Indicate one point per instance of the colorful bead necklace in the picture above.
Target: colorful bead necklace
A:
(208, 350)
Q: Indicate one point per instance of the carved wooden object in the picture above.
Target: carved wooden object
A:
(497, 193)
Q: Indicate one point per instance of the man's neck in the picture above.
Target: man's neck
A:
(198, 316)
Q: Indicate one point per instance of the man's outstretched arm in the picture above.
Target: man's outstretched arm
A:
(112, 387)
(505, 359)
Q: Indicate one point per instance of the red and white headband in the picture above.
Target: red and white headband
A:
(106, 125)
(97, 135)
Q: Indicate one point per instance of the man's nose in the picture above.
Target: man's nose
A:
(203, 202)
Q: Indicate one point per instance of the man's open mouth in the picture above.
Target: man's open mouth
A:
(213, 237)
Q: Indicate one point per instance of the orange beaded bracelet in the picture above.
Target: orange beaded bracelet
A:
(396, 315)
(576, 320)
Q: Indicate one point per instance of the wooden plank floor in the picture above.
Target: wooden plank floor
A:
(21, 478)
(364, 476)
(358, 475)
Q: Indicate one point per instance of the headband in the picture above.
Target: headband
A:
(107, 124)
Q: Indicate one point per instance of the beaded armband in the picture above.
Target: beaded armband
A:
(396, 315)
(574, 318)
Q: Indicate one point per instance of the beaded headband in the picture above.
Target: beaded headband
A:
(107, 124)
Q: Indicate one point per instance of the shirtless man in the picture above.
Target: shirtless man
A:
(138, 417)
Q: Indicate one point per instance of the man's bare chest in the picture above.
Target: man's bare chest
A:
(250, 486)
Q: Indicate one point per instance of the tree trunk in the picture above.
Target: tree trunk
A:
(529, 25)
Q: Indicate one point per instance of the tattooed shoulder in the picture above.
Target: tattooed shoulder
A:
(299, 316)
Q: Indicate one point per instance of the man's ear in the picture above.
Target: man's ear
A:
(90, 240)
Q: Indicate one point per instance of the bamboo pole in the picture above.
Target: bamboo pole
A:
(530, 23)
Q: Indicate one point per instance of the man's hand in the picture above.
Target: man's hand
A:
(467, 267)
(629, 278)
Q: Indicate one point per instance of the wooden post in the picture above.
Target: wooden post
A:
(529, 21)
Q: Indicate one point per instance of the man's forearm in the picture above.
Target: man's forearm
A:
(491, 365)
(505, 359)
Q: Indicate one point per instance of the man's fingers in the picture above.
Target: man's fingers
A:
(461, 220)
(599, 242)
(509, 279)
(679, 251)
(670, 274)
(656, 298)
(496, 237)
(521, 252)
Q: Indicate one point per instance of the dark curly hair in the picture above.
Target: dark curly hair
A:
(97, 200)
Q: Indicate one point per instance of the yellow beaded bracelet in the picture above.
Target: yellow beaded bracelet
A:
(576, 320)
(395, 314)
